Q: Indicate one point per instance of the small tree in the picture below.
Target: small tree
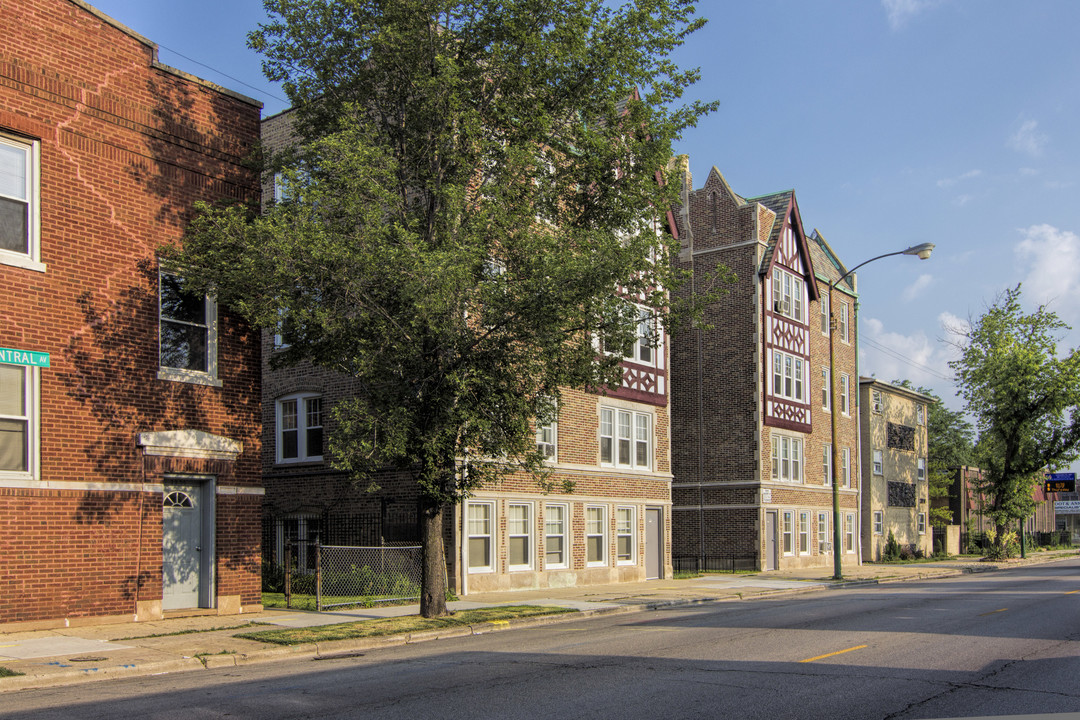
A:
(475, 199)
(1024, 397)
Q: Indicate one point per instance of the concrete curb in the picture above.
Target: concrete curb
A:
(339, 649)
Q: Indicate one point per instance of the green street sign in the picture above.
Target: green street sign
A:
(24, 357)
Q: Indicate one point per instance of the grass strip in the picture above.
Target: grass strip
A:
(241, 626)
(8, 672)
(398, 625)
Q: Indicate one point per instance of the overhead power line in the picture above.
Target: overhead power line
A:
(904, 359)
(236, 80)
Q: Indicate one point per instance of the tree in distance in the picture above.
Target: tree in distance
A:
(474, 203)
(1024, 395)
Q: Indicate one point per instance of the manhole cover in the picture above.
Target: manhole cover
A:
(90, 658)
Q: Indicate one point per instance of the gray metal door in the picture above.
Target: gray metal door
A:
(770, 540)
(182, 546)
(654, 543)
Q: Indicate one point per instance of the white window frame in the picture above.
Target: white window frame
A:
(31, 192)
(845, 394)
(562, 531)
(627, 432)
(921, 470)
(825, 315)
(823, 532)
(804, 532)
(879, 462)
(876, 402)
(826, 463)
(879, 523)
(922, 523)
(547, 441)
(524, 533)
(210, 322)
(845, 466)
(788, 458)
(471, 533)
(849, 533)
(920, 414)
(625, 529)
(31, 416)
(789, 376)
(591, 533)
(303, 420)
(787, 294)
(844, 323)
(647, 345)
(826, 390)
(787, 533)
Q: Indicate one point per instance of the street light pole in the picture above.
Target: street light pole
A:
(923, 252)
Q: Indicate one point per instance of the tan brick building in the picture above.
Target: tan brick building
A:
(614, 447)
(751, 404)
(129, 429)
(895, 450)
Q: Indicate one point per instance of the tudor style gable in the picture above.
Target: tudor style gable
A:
(787, 288)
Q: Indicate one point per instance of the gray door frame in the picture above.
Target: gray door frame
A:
(654, 544)
(207, 489)
(770, 539)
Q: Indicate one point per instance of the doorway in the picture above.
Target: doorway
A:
(654, 543)
(770, 540)
(187, 543)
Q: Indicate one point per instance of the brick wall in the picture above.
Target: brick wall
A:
(126, 147)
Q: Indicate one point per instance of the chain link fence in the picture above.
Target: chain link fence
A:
(378, 574)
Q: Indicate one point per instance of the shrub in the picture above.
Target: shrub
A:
(892, 549)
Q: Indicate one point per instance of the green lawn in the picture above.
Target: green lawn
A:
(307, 602)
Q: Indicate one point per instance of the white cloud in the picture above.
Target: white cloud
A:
(1028, 172)
(949, 182)
(892, 356)
(913, 290)
(962, 200)
(1052, 278)
(900, 11)
(1027, 139)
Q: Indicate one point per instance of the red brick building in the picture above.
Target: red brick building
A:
(751, 400)
(129, 416)
(614, 447)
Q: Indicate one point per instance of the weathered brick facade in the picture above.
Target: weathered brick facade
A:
(117, 148)
(314, 493)
(750, 377)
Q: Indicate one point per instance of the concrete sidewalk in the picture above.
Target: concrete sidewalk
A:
(94, 652)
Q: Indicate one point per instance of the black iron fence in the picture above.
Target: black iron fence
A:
(724, 562)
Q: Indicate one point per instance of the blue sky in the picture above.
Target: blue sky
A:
(895, 121)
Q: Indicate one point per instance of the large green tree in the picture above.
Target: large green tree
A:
(1025, 397)
(475, 202)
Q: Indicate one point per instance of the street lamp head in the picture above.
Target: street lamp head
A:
(923, 251)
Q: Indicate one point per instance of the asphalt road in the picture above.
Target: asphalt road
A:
(999, 643)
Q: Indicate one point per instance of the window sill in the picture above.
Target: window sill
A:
(481, 571)
(188, 376)
(21, 261)
(300, 461)
(519, 568)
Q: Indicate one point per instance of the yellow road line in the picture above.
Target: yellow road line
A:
(993, 612)
(499, 622)
(838, 652)
(1072, 592)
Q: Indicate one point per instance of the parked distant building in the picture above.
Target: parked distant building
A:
(970, 509)
(614, 526)
(895, 452)
(129, 429)
(751, 393)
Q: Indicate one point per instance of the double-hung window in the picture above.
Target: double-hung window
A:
(187, 333)
(624, 535)
(826, 390)
(845, 394)
(519, 536)
(844, 322)
(845, 467)
(879, 465)
(788, 533)
(879, 523)
(922, 469)
(787, 376)
(626, 438)
(19, 234)
(920, 414)
(787, 453)
(18, 421)
(555, 542)
(849, 533)
(546, 440)
(787, 292)
(822, 532)
(804, 533)
(824, 315)
(645, 347)
(595, 535)
(826, 463)
(300, 428)
(479, 524)
(922, 523)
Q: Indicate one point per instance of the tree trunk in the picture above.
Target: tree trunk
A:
(433, 569)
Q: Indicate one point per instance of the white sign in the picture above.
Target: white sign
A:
(1067, 507)
(766, 496)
